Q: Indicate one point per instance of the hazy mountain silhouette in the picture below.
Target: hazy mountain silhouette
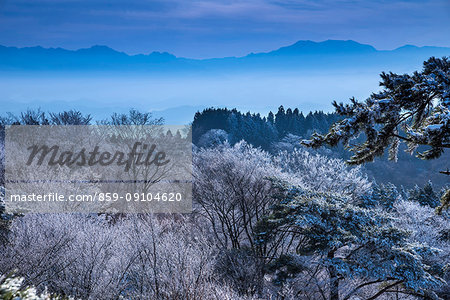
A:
(303, 55)
(329, 47)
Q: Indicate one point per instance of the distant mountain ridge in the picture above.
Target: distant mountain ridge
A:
(326, 47)
(302, 54)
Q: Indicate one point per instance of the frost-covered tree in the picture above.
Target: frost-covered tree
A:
(70, 254)
(351, 243)
(320, 173)
(426, 227)
(288, 143)
(232, 192)
(424, 196)
(212, 138)
(12, 288)
(133, 257)
(410, 108)
(172, 259)
(414, 109)
(240, 269)
(5, 218)
(383, 195)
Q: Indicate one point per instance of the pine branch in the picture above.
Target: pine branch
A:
(445, 172)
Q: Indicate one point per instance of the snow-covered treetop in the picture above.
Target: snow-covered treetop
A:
(410, 108)
(357, 242)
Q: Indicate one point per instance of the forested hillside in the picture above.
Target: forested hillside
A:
(286, 128)
(271, 217)
(287, 224)
(260, 131)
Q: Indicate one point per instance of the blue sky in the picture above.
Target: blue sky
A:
(217, 28)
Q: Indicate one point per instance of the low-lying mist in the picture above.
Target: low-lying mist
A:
(177, 97)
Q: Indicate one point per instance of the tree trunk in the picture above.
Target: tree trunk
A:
(334, 280)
